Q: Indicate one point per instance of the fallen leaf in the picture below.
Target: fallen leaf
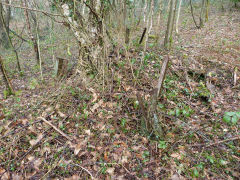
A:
(88, 132)
(16, 177)
(61, 114)
(30, 158)
(57, 106)
(74, 177)
(33, 142)
(5, 176)
(176, 155)
(97, 105)
(110, 171)
(49, 109)
(176, 177)
(37, 163)
(95, 96)
(80, 146)
(124, 159)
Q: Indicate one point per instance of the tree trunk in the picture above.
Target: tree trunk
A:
(194, 20)
(89, 33)
(173, 20)
(201, 14)
(8, 16)
(207, 9)
(3, 35)
(169, 25)
(178, 15)
(9, 40)
(5, 78)
(149, 24)
(33, 39)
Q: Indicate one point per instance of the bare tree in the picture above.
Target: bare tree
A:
(204, 8)
(89, 31)
(194, 20)
(30, 32)
(9, 40)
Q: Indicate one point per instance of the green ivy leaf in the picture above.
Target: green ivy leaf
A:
(229, 113)
(178, 112)
(223, 162)
(195, 173)
(234, 119)
(162, 145)
(210, 158)
(226, 119)
(171, 113)
(238, 114)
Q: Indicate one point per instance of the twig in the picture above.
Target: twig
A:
(20, 37)
(57, 162)
(32, 148)
(118, 164)
(19, 129)
(54, 127)
(30, 9)
(84, 170)
(215, 143)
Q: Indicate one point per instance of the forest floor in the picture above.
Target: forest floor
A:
(72, 129)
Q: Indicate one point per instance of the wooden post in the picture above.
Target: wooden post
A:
(143, 34)
(127, 34)
(62, 67)
(152, 116)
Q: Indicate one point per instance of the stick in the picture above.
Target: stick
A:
(219, 142)
(84, 170)
(162, 76)
(18, 36)
(54, 127)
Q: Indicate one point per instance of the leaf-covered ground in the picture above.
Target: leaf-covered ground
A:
(72, 129)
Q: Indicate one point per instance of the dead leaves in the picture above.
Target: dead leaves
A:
(110, 171)
(33, 142)
(74, 177)
(2, 116)
(97, 105)
(81, 143)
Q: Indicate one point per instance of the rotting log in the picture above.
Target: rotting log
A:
(5, 78)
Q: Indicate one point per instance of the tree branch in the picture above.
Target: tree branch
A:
(30, 9)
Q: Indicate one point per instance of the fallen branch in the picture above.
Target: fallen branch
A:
(216, 143)
(54, 127)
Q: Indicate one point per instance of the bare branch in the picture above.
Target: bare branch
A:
(30, 9)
